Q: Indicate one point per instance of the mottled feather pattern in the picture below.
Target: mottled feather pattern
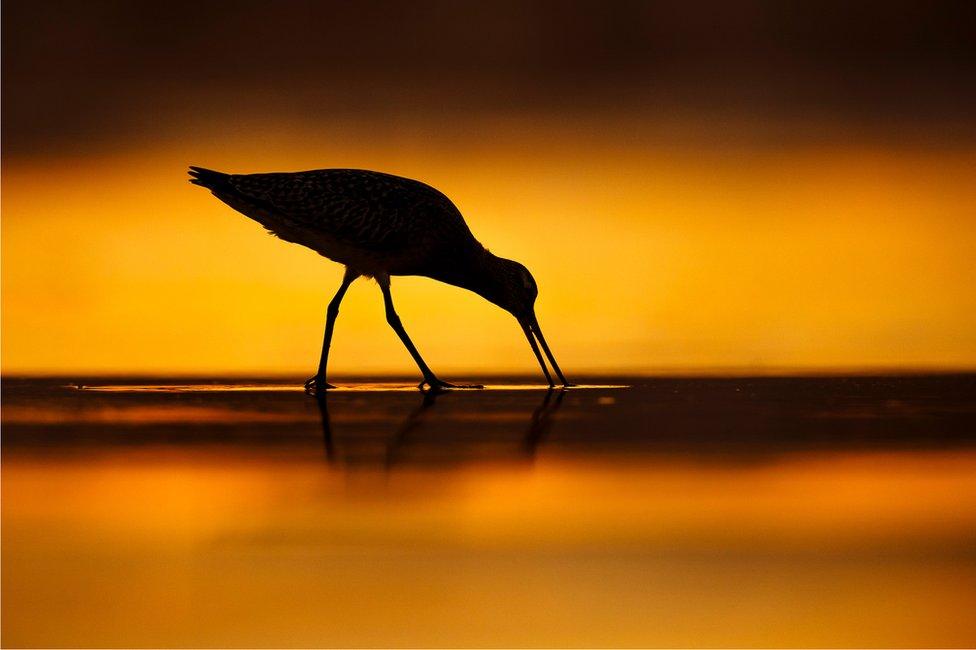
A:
(375, 211)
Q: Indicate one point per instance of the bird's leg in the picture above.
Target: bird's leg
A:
(430, 379)
(318, 382)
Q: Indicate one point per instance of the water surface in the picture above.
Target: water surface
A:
(627, 512)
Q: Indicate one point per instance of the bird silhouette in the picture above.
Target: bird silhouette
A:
(379, 225)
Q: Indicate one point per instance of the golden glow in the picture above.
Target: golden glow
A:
(838, 257)
(247, 551)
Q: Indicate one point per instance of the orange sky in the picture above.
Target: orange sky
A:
(740, 186)
(648, 257)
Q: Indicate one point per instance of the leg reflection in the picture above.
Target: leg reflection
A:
(471, 445)
(323, 403)
(409, 425)
(396, 441)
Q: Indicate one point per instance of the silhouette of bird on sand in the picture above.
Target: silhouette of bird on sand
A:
(379, 225)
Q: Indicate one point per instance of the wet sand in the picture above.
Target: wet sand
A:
(828, 511)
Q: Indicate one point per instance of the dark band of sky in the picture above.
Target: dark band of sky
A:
(80, 75)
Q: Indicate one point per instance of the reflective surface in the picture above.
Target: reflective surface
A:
(633, 512)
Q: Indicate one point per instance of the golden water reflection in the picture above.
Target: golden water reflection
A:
(574, 518)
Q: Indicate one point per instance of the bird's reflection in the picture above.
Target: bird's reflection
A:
(323, 403)
(416, 422)
(541, 422)
(412, 423)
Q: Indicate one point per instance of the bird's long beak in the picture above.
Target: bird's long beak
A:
(532, 331)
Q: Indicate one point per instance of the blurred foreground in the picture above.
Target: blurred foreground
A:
(834, 511)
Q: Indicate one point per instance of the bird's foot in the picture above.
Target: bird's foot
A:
(435, 385)
(317, 385)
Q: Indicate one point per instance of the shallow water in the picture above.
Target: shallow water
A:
(627, 512)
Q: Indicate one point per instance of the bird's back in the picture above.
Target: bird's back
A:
(366, 219)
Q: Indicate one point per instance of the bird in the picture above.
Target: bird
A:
(380, 225)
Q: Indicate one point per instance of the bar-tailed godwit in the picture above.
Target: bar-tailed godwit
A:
(379, 225)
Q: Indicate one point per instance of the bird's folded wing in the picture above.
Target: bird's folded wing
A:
(364, 214)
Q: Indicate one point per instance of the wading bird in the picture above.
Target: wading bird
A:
(379, 225)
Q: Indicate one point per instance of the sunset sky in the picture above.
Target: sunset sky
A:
(732, 186)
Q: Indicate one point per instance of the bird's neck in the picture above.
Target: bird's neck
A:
(475, 270)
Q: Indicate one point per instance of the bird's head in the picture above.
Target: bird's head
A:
(509, 285)
(512, 288)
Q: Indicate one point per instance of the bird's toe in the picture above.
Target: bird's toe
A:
(316, 385)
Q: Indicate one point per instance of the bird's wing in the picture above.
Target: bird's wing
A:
(368, 209)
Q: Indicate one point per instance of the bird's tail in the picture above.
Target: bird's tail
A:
(208, 178)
